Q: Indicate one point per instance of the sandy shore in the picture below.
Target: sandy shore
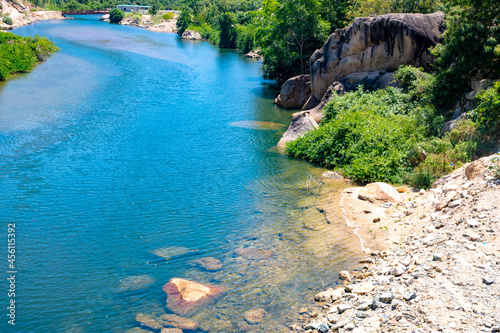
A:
(432, 259)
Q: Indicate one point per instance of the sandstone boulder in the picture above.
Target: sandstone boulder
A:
(375, 43)
(184, 296)
(191, 35)
(379, 192)
(301, 124)
(294, 92)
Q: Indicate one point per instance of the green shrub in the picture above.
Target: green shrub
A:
(153, 10)
(7, 20)
(245, 39)
(184, 21)
(368, 135)
(205, 30)
(421, 177)
(168, 16)
(415, 82)
(116, 15)
(487, 113)
(228, 33)
(19, 54)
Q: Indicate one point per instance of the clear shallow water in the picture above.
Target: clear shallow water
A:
(127, 141)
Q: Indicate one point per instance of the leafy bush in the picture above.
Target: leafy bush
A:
(168, 16)
(228, 33)
(184, 21)
(245, 39)
(7, 20)
(363, 8)
(205, 30)
(19, 54)
(367, 134)
(487, 113)
(153, 10)
(469, 47)
(116, 15)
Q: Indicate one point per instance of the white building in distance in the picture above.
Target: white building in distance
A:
(133, 8)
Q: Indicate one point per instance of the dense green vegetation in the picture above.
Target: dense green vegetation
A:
(116, 15)
(394, 134)
(20, 54)
(381, 135)
(388, 135)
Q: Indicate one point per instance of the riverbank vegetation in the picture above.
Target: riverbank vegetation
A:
(20, 54)
(395, 134)
(389, 135)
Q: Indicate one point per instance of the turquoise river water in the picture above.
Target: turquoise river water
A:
(127, 141)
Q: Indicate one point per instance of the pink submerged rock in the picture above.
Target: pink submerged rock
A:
(184, 296)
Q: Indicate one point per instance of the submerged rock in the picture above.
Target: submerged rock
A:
(174, 251)
(170, 330)
(171, 320)
(208, 263)
(184, 296)
(137, 330)
(254, 316)
(253, 253)
(259, 125)
(136, 282)
(148, 321)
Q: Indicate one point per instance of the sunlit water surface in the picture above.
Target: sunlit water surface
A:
(127, 141)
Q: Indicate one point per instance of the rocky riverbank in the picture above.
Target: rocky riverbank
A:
(146, 22)
(23, 13)
(432, 258)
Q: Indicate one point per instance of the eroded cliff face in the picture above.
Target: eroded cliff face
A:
(367, 52)
(23, 13)
(376, 43)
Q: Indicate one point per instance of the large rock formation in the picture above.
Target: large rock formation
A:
(373, 44)
(368, 52)
(294, 92)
